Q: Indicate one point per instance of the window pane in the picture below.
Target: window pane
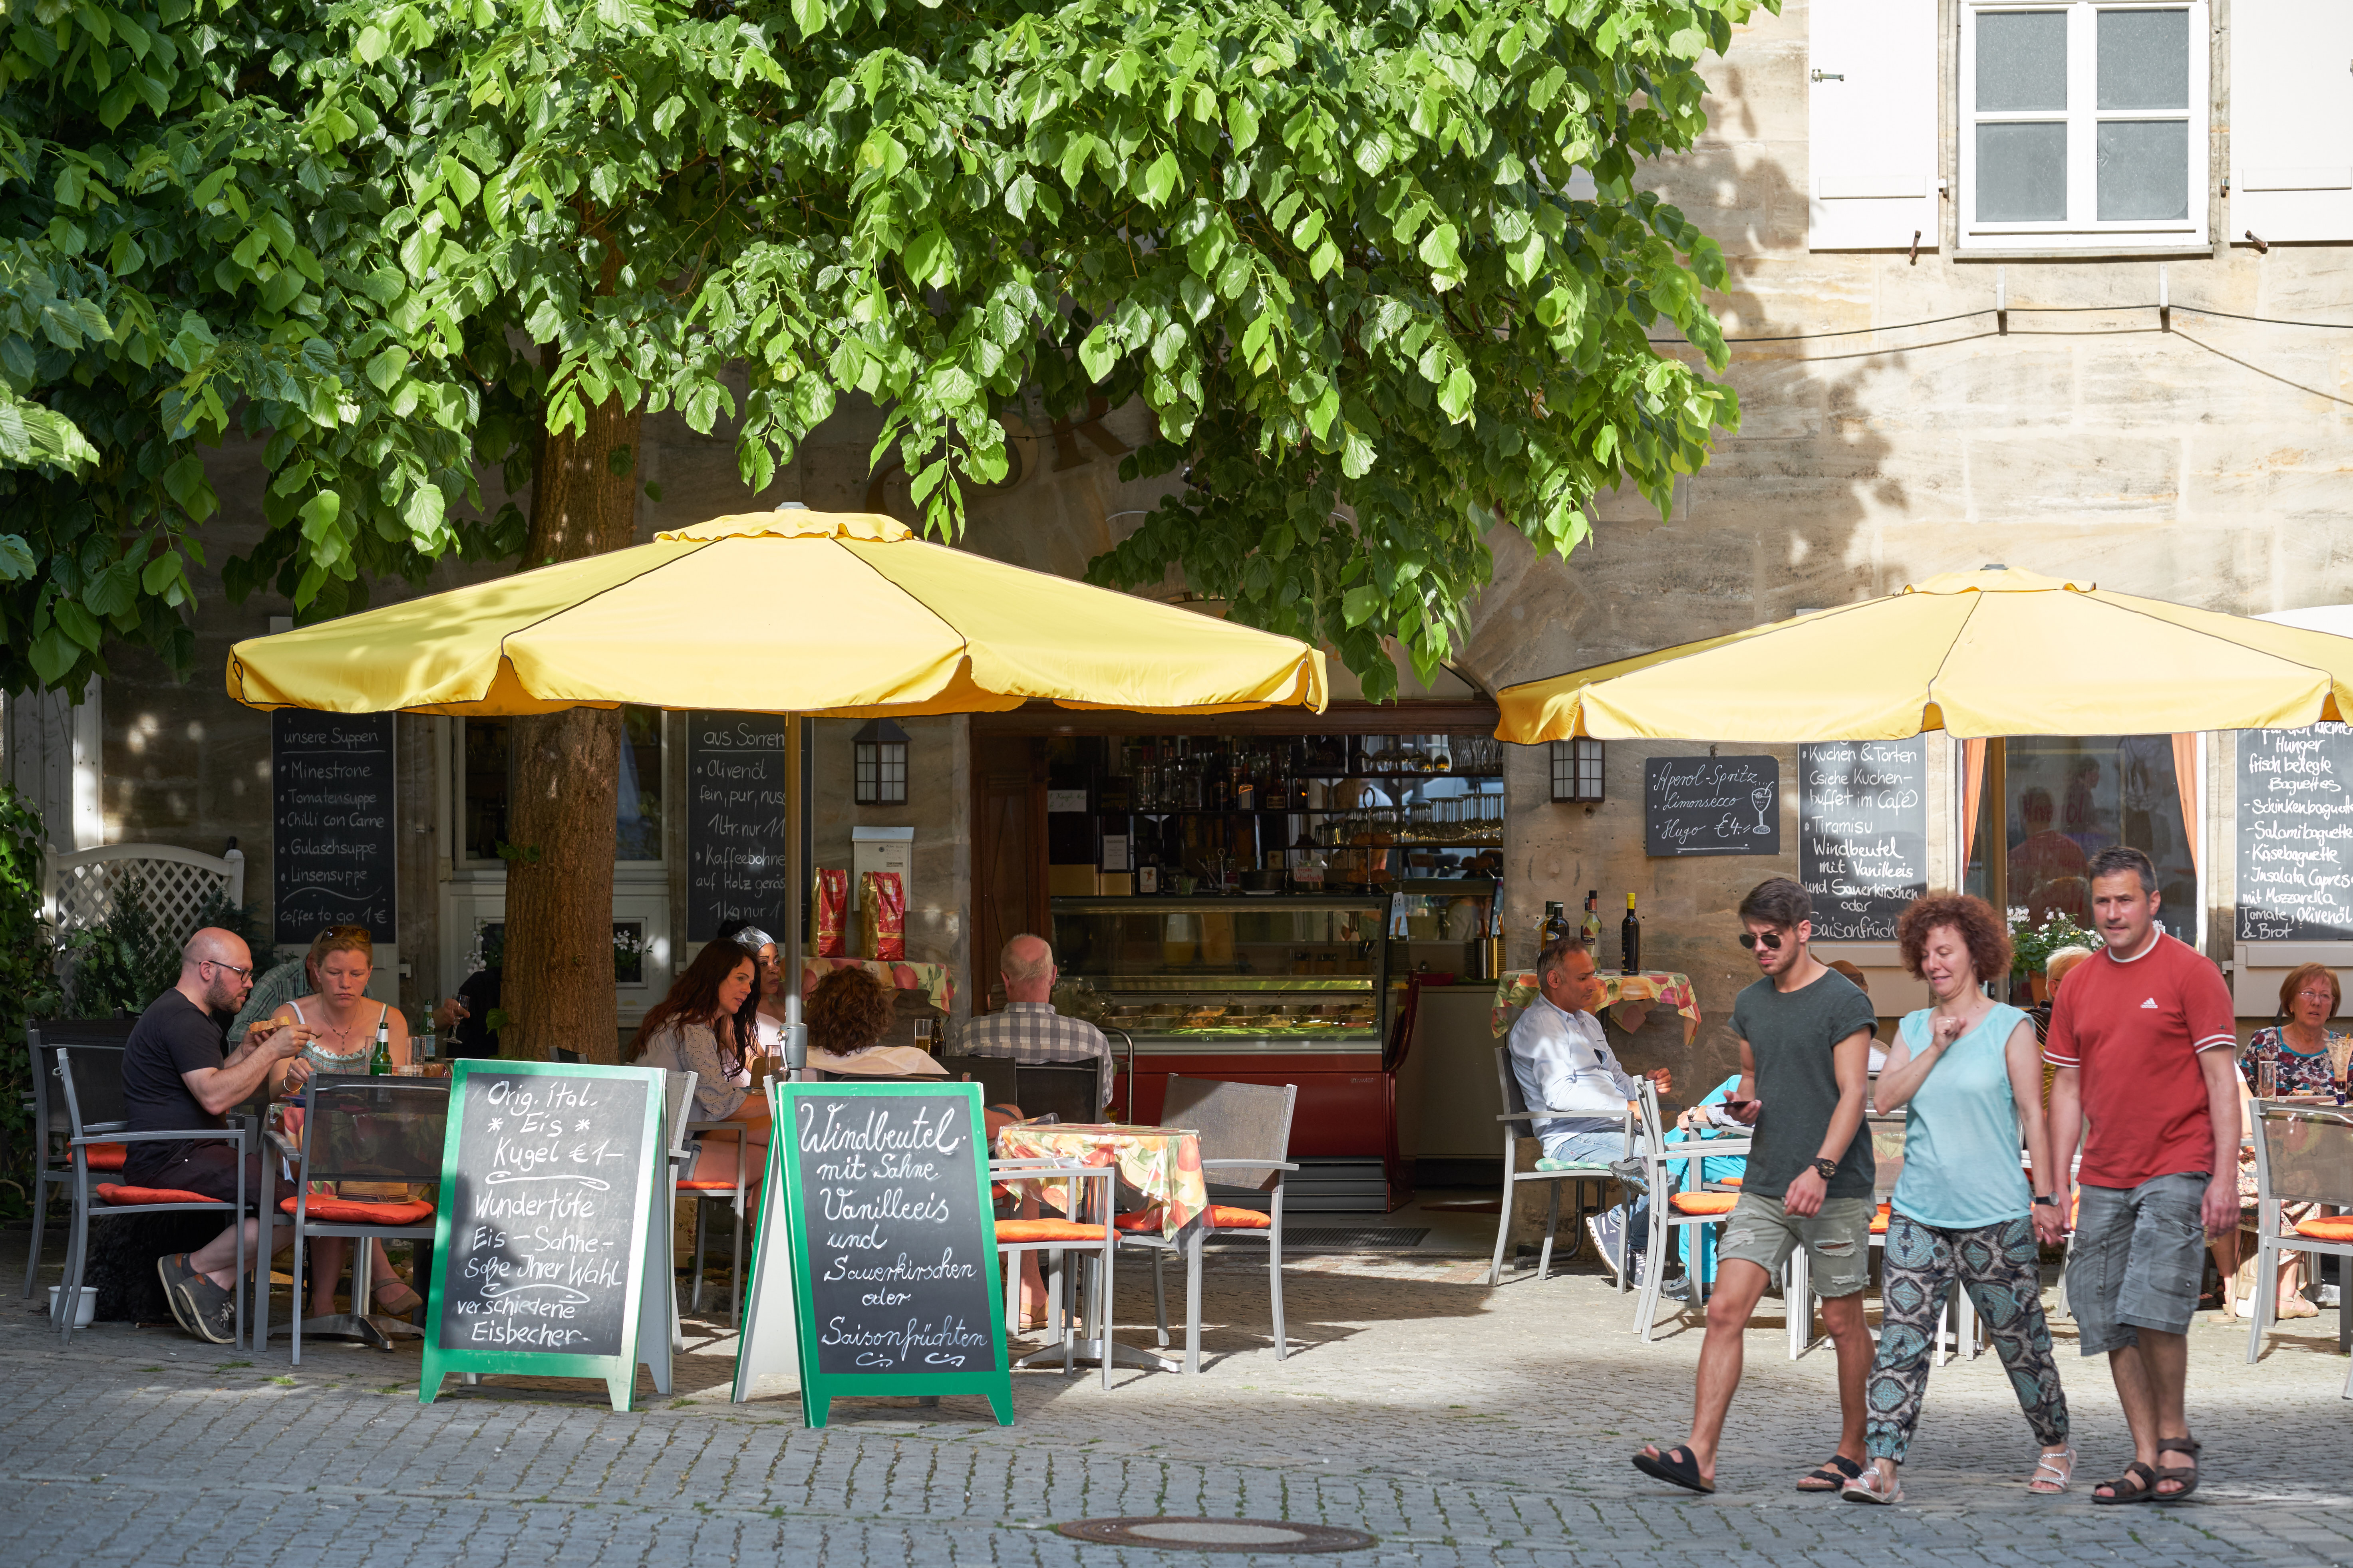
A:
(2069, 797)
(2021, 59)
(636, 806)
(2144, 59)
(2022, 173)
(2144, 169)
(485, 743)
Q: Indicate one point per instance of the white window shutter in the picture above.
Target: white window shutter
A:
(1871, 124)
(2291, 118)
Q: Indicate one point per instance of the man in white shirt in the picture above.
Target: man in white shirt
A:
(1563, 1062)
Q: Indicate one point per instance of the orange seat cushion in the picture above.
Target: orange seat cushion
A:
(1224, 1216)
(359, 1211)
(1704, 1203)
(1731, 1180)
(1879, 1221)
(727, 1186)
(2335, 1228)
(1046, 1230)
(124, 1197)
(107, 1156)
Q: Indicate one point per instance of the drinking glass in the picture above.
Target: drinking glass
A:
(2266, 1080)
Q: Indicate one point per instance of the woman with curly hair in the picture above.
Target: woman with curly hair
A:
(1969, 1076)
(847, 1014)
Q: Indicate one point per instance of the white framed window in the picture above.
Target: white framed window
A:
(2083, 124)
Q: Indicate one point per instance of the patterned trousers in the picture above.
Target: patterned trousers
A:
(1997, 1264)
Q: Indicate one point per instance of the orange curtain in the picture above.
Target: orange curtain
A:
(2185, 779)
(1973, 758)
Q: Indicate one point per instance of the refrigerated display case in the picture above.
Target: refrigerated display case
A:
(1273, 988)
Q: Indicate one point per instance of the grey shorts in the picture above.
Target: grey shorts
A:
(2140, 1256)
(1837, 1240)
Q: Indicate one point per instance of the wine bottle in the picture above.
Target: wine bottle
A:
(1556, 923)
(1629, 939)
(1592, 924)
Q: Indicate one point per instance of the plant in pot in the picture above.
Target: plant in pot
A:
(2032, 945)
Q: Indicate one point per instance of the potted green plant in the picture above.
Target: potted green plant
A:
(2031, 946)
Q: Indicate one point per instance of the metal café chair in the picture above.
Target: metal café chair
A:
(53, 1165)
(363, 1130)
(1518, 1113)
(1673, 1210)
(1245, 1133)
(2303, 1155)
(709, 1190)
(678, 1105)
(1074, 1232)
(1071, 1091)
(91, 1079)
(1957, 1326)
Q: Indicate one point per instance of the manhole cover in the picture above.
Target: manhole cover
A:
(1185, 1534)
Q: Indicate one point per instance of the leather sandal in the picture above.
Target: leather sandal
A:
(2185, 1476)
(1831, 1475)
(2142, 1479)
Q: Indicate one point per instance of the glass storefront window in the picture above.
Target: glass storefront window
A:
(2047, 804)
(483, 791)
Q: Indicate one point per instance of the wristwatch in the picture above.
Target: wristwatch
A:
(2048, 1200)
(1826, 1169)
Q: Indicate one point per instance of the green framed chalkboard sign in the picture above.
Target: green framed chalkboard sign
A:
(548, 1183)
(889, 1278)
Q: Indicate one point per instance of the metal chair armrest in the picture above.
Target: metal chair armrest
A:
(1249, 1165)
(1537, 1111)
(206, 1134)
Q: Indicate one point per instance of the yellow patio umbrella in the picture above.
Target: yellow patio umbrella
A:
(1978, 654)
(823, 614)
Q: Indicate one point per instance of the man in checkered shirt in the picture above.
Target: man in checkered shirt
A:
(1030, 1030)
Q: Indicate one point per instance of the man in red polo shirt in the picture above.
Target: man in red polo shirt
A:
(2144, 1040)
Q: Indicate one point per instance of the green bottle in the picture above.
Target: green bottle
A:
(380, 1058)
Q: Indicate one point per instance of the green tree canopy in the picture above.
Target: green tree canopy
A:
(1332, 245)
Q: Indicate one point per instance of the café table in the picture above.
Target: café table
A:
(1161, 1163)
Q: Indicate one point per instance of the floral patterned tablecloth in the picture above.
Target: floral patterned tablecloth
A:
(1164, 1164)
(936, 980)
(1628, 996)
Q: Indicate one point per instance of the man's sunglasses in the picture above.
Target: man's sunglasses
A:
(1771, 938)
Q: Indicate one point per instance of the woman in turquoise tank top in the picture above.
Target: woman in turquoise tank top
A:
(1969, 1076)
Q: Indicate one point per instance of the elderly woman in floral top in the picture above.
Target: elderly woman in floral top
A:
(2306, 1058)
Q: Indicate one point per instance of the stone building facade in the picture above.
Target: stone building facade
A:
(2000, 389)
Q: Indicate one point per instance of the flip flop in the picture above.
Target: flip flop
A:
(1677, 1467)
(1872, 1486)
(1831, 1475)
(2184, 1476)
(2144, 1484)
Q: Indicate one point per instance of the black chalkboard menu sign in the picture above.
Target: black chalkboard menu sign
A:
(2296, 835)
(1711, 805)
(332, 846)
(547, 1185)
(738, 860)
(894, 1255)
(1862, 834)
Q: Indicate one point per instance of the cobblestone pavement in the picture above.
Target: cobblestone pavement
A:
(1456, 1424)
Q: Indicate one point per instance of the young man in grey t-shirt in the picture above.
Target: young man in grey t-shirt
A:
(1805, 1036)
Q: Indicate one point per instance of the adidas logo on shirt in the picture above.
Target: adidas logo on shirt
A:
(2150, 1004)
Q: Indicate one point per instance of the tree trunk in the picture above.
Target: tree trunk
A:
(566, 774)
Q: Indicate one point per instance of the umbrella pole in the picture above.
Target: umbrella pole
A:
(795, 889)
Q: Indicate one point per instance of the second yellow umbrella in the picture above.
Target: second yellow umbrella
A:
(1993, 652)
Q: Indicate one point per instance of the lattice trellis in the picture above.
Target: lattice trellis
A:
(83, 887)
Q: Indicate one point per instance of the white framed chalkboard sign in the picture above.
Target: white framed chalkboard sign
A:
(539, 1250)
(2296, 835)
(889, 1245)
(1711, 805)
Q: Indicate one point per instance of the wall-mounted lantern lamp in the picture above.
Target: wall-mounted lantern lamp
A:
(879, 764)
(1576, 772)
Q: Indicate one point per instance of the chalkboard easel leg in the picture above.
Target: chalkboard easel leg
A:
(623, 1387)
(815, 1408)
(429, 1382)
(1001, 1405)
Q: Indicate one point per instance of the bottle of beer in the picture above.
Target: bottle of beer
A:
(380, 1058)
(1629, 939)
(429, 1040)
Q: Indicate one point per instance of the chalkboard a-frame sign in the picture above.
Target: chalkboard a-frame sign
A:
(540, 1248)
(890, 1246)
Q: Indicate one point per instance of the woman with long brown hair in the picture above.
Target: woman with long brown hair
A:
(707, 1027)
